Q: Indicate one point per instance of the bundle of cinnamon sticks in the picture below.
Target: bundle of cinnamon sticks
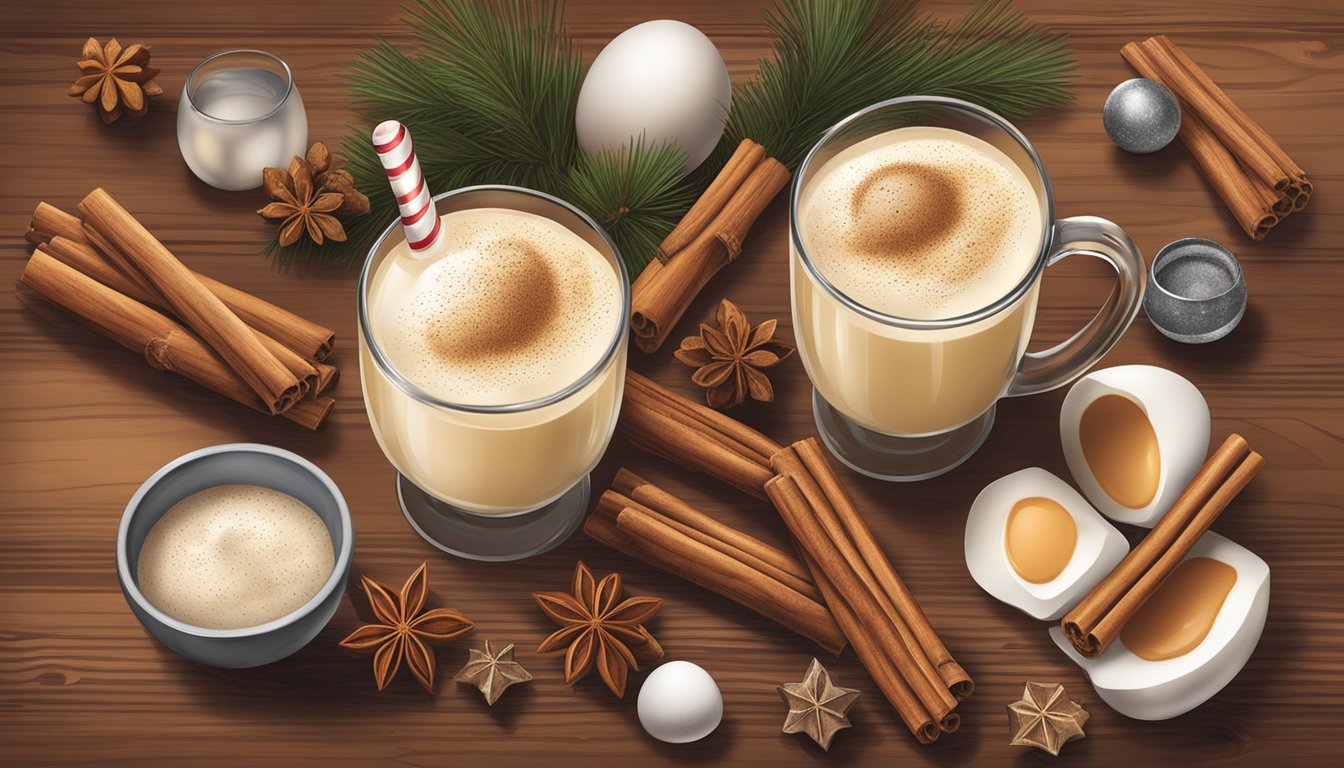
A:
(1256, 178)
(707, 239)
(865, 597)
(119, 279)
(1096, 621)
(888, 631)
(644, 521)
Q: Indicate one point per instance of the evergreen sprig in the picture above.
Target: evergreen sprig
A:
(489, 93)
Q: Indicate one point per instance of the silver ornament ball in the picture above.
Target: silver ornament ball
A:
(1141, 116)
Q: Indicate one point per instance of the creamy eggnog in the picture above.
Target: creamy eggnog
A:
(918, 223)
(513, 308)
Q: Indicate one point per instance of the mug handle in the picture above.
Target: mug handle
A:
(1064, 362)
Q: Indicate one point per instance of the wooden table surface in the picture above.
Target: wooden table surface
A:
(82, 423)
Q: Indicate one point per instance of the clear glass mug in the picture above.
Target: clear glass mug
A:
(495, 482)
(908, 399)
(240, 112)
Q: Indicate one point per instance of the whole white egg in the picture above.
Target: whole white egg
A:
(661, 79)
(680, 703)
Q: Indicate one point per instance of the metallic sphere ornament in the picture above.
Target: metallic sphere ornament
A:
(1141, 116)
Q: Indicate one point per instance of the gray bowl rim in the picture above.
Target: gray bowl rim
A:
(1238, 279)
(333, 581)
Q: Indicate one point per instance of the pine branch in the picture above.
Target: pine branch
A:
(489, 93)
(832, 59)
(637, 193)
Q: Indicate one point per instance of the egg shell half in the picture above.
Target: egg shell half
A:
(1158, 690)
(1100, 546)
(1179, 416)
(663, 80)
(679, 703)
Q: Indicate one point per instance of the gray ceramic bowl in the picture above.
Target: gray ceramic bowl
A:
(246, 463)
(1196, 291)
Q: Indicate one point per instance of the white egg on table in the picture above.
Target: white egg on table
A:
(663, 80)
(1160, 686)
(679, 703)
(1133, 437)
(1035, 543)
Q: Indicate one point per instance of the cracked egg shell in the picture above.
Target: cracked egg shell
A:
(1157, 690)
(1123, 453)
(1097, 549)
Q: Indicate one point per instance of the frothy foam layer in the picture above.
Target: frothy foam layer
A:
(921, 222)
(517, 307)
(235, 556)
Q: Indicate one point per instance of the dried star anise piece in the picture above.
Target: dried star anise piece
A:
(1045, 718)
(405, 630)
(300, 205)
(328, 176)
(598, 629)
(729, 359)
(119, 81)
(311, 197)
(492, 671)
(817, 706)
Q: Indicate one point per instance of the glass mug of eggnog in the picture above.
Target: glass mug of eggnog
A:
(493, 368)
(920, 231)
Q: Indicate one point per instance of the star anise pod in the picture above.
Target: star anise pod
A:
(405, 631)
(492, 671)
(1045, 718)
(817, 706)
(119, 80)
(599, 629)
(729, 359)
(301, 206)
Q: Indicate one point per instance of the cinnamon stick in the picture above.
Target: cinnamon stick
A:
(165, 344)
(1250, 171)
(788, 568)
(1296, 177)
(1098, 619)
(669, 425)
(190, 300)
(887, 657)
(744, 160)
(808, 453)
(663, 291)
(305, 337)
(698, 553)
(84, 258)
(48, 221)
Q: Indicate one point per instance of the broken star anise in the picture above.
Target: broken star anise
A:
(403, 631)
(328, 176)
(118, 80)
(599, 629)
(729, 359)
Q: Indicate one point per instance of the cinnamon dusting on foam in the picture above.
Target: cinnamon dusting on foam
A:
(922, 222)
(517, 307)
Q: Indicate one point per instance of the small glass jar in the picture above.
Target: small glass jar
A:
(240, 112)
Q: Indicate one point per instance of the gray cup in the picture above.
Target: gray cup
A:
(236, 463)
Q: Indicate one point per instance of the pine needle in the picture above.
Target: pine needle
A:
(489, 91)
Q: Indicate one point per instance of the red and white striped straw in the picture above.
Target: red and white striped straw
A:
(392, 142)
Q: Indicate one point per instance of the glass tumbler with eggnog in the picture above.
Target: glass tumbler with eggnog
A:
(493, 368)
(920, 230)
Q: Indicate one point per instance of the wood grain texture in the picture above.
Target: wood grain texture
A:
(81, 682)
